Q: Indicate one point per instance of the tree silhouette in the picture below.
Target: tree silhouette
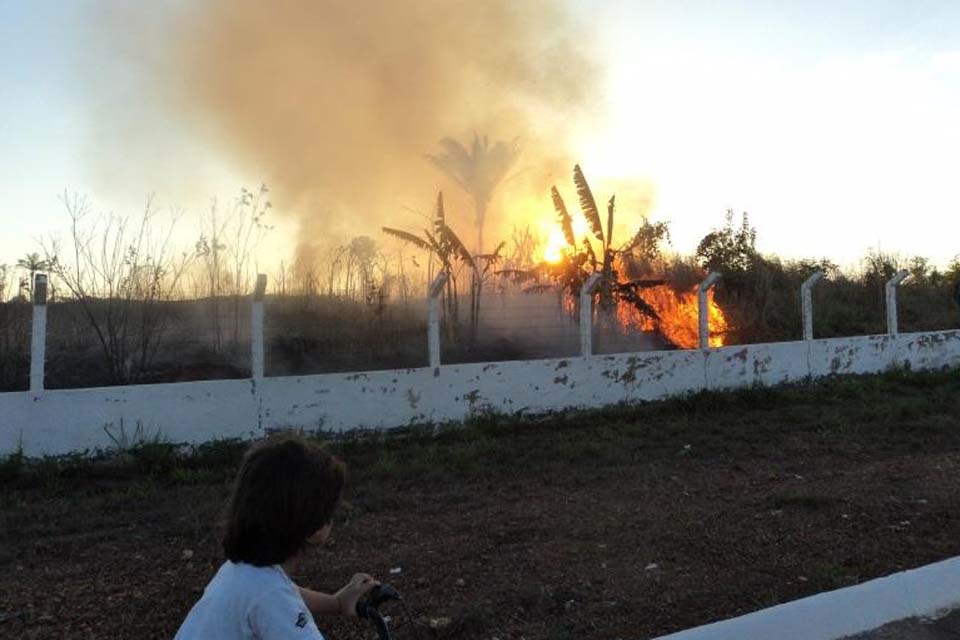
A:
(478, 171)
(579, 261)
(445, 245)
(32, 263)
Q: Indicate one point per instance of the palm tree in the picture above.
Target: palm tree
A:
(32, 263)
(478, 171)
(443, 244)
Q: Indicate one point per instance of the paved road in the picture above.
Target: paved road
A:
(944, 628)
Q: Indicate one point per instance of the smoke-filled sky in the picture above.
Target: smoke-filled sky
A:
(834, 124)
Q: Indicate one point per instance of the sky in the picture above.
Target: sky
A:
(833, 124)
(40, 121)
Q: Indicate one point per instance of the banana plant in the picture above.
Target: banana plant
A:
(580, 259)
(445, 246)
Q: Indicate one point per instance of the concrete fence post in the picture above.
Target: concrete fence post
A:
(891, 289)
(38, 335)
(806, 303)
(703, 308)
(256, 328)
(433, 318)
(586, 314)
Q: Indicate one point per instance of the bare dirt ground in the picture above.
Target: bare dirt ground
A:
(624, 523)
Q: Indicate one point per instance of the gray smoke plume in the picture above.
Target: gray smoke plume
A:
(335, 102)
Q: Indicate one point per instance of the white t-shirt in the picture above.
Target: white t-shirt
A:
(244, 602)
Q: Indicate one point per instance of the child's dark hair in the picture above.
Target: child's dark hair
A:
(286, 489)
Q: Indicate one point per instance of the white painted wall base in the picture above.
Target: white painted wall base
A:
(834, 614)
(58, 422)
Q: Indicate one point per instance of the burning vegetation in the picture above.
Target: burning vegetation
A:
(678, 316)
(630, 293)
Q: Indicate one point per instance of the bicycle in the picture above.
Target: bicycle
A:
(368, 608)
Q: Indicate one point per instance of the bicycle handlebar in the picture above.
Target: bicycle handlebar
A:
(367, 608)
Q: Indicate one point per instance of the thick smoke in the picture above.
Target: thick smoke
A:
(335, 102)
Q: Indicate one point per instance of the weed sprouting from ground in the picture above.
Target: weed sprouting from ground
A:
(11, 466)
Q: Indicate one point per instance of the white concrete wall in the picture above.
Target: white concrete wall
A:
(56, 422)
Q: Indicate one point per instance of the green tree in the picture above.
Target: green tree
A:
(953, 270)
(731, 249)
(643, 256)
(920, 270)
(953, 276)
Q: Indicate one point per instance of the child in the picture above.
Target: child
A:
(283, 499)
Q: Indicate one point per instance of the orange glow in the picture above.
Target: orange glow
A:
(678, 312)
(556, 244)
(679, 317)
(553, 248)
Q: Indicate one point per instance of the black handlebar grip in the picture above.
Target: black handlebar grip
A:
(377, 596)
(383, 592)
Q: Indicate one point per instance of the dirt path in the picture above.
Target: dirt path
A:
(631, 553)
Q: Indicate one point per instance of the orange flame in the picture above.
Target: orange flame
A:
(556, 244)
(679, 317)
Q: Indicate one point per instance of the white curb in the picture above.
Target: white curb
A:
(920, 592)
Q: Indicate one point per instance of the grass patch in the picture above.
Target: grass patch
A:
(11, 466)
